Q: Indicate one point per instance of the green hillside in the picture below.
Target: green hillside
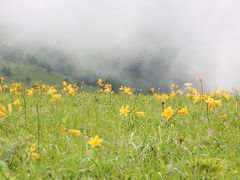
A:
(26, 72)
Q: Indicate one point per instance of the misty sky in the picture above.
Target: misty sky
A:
(197, 38)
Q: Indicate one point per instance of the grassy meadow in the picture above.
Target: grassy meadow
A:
(66, 133)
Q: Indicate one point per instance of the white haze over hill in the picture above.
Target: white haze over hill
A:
(194, 38)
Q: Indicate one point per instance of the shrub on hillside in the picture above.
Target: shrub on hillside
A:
(6, 71)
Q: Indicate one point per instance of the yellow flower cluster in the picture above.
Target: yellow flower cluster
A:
(191, 92)
(30, 91)
(212, 103)
(220, 93)
(73, 132)
(183, 111)
(125, 111)
(16, 88)
(163, 97)
(169, 112)
(107, 88)
(70, 89)
(94, 142)
(55, 97)
(174, 86)
(53, 92)
(32, 152)
(127, 90)
(100, 83)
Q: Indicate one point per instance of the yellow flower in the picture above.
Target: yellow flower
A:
(64, 83)
(124, 110)
(16, 102)
(172, 94)
(194, 91)
(16, 88)
(140, 114)
(163, 97)
(174, 86)
(218, 102)
(1, 79)
(179, 92)
(95, 142)
(183, 111)
(52, 90)
(35, 156)
(211, 103)
(44, 87)
(3, 113)
(32, 150)
(214, 93)
(108, 88)
(100, 83)
(10, 108)
(71, 89)
(30, 91)
(33, 147)
(168, 112)
(55, 97)
(11, 90)
(226, 96)
(152, 90)
(196, 98)
(157, 96)
(75, 132)
(128, 91)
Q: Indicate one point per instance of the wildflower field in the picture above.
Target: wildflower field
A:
(49, 132)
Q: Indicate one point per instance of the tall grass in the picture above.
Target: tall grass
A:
(203, 143)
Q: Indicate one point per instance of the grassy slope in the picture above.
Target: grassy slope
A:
(133, 148)
(21, 71)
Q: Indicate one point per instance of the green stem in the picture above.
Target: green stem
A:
(25, 108)
(135, 102)
(207, 112)
(38, 127)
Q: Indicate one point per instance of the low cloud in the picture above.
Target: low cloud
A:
(160, 41)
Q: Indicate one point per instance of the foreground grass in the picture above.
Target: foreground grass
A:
(202, 143)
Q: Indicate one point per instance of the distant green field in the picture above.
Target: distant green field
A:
(20, 72)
